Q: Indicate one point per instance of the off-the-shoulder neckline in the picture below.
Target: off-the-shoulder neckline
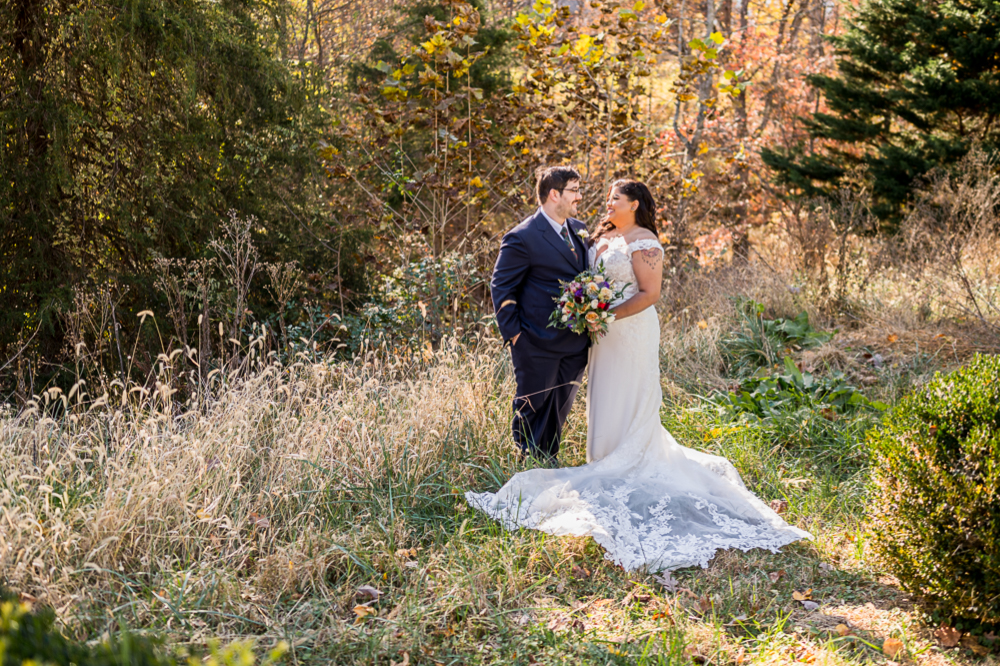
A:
(609, 241)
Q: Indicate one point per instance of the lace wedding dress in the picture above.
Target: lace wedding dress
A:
(650, 502)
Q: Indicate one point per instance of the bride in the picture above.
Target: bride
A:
(650, 502)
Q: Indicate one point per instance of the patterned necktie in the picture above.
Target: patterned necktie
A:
(569, 241)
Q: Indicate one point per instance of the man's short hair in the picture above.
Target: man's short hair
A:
(553, 178)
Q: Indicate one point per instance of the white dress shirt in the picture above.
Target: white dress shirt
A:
(555, 225)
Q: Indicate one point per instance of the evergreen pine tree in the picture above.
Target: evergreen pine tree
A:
(919, 83)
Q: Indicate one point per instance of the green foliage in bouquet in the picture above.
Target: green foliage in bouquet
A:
(773, 395)
(934, 512)
(760, 343)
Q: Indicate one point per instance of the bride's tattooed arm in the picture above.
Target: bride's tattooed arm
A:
(647, 264)
(651, 257)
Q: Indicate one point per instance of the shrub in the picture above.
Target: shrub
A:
(29, 636)
(934, 513)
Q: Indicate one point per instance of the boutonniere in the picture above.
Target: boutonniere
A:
(582, 233)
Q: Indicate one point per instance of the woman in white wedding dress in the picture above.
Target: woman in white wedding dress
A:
(650, 502)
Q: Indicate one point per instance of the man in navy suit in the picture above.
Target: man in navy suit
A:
(548, 362)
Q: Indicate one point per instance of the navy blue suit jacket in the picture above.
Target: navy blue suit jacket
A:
(533, 259)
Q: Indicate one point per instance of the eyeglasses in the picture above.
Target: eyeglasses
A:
(575, 190)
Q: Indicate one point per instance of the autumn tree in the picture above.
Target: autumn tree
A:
(917, 86)
(714, 149)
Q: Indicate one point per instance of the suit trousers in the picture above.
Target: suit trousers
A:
(547, 383)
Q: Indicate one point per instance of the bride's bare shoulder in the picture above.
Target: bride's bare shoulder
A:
(641, 234)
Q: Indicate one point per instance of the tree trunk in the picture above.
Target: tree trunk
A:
(741, 241)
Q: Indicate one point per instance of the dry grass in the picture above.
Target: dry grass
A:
(260, 486)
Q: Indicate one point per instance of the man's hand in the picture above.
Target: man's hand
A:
(513, 340)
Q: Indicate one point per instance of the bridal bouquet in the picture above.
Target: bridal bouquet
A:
(584, 303)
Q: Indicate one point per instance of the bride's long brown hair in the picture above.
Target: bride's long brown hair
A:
(645, 214)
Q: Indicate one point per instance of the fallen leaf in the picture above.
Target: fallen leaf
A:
(705, 604)
(779, 506)
(565, 621)
(259, 521)
(948, 637)
(667, 581)
(802, 596)
(703, 324)
(842, 629)
(404, 662)
(806, 656)
(369, 591)
(892, 647)
(810, 605)
(407, 553)
(825, 566)
(580, 573)
(736, 621)
(362, 612)
(411, 565)
(695, 656)
(561, 587)
(892, 337)
(972, 643)
(775, 576)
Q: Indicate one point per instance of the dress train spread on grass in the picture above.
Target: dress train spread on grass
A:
(650, 502)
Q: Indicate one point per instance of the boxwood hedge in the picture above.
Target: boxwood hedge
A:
(934, 511)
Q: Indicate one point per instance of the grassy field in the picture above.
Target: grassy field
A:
(321, 503)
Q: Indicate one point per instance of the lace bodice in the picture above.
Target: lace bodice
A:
(617, 261)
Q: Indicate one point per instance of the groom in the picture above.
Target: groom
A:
(548, 362)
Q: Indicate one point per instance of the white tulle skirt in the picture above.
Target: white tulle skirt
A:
(650, 502)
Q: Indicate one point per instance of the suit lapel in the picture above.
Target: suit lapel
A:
(543, 227)
(581, 248)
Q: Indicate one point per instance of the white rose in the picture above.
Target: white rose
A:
(598, 278)
(605, 294)
(611, 317)
(565, 318)
(594, 303)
